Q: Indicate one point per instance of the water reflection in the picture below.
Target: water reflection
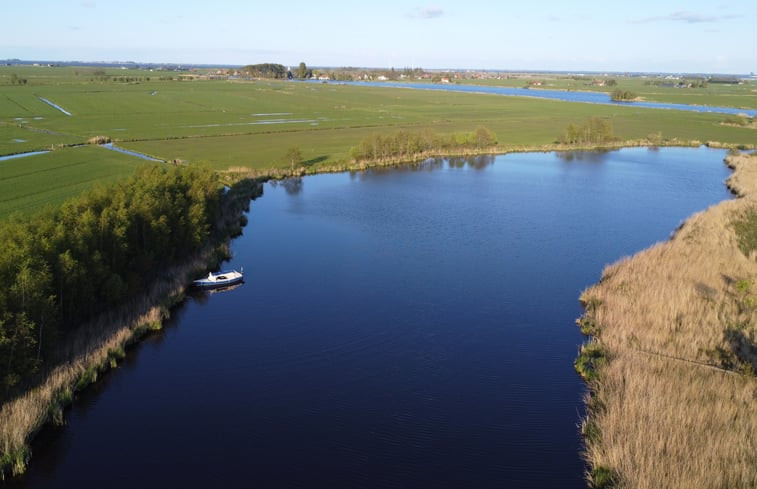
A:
(201, 296)
(598, 156)
(478, 162)
(292, 185)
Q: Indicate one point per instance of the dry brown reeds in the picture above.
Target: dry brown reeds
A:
(98, 140)
(675, 403)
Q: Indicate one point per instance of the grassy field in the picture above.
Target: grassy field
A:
(716, 94)
(252, 124)
(32, 182)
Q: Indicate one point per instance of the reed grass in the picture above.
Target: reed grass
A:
(674, 403)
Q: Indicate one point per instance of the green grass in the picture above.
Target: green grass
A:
(33, 182)
(745, 227)
(15, 138)
(252, 124)
(714, 94)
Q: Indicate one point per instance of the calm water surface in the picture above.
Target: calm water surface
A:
(411, 327)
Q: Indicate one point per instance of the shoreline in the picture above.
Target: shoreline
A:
(101, 344)
(236, 173)
(46, 403)
(671, 361)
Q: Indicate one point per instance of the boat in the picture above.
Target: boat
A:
(221, 279)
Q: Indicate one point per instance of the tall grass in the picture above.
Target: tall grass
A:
(674, 404)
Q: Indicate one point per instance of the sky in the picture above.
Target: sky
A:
(581, 35)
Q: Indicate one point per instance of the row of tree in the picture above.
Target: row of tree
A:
(16, 80)
(266, 70)
(65, 265)
(595, 130)
(620, 95)
(405, 144)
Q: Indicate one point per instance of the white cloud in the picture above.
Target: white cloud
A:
(427, 13)
(685, 17)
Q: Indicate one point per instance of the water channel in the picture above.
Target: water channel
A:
(406, 327)
(564, 95)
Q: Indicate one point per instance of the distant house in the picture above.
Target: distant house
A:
(324, 77)
(381, 78)
(445, 80)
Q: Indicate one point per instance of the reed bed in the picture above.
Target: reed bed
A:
(673, 403)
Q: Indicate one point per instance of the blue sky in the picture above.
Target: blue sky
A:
(685, 36)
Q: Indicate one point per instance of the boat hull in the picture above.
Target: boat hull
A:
(223, 279)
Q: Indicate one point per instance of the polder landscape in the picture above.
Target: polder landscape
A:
(363, 377)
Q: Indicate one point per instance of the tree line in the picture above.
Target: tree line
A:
(16, 80)
(266, 70)
(620, 95)
(405, 144)
(65, 265)
(594, 130)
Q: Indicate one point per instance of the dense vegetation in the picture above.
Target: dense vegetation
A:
(595, 130)
(620, 95)
(404, 144)
(65, 265)
(266, 70)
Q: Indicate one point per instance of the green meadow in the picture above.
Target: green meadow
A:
(30, 183)
(230, 124)
(648, 88)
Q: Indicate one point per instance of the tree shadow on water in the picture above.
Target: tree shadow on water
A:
(293, 185)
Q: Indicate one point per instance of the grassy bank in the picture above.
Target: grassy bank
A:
(672, 363)
(100, 344)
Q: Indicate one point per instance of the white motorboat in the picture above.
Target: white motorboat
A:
(221, 279)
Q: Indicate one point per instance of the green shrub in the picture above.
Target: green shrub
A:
(604, 478)
(746, 231)
(87, 377)
(591, 356)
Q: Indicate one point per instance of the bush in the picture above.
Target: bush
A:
(620, 95)
(405, 144)
(604, 478)
(591, 356)
(746, 231)
(595, 130)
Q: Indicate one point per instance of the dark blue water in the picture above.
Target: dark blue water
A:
(584, 97)
(411, 327)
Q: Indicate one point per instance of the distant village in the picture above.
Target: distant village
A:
(534, 79)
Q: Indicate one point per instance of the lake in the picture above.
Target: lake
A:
(405, 327)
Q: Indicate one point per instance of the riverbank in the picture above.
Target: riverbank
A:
(234, 174)
(672, 361)
(100, 344)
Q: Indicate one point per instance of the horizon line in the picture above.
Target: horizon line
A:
(79, 62)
